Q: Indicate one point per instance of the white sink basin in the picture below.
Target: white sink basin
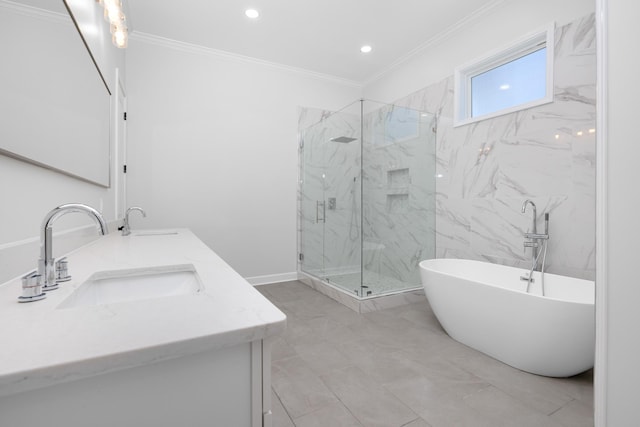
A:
(116, 286)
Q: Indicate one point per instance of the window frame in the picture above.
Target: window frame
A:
(543, 38)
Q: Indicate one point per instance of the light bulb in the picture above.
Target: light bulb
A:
(252, 13)
(120, 38)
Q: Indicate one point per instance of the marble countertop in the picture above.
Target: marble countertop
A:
(43, 344)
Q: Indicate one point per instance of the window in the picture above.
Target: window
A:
(399, 124)
(515, 78)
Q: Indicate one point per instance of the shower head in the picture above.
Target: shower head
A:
(344, 139)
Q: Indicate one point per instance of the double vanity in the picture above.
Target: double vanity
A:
(152, 329)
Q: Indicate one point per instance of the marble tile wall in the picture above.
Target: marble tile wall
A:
(399, 190)
(547, 154)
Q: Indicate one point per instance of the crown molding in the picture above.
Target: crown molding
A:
(438, 38)
(221, 54)
(35, 12)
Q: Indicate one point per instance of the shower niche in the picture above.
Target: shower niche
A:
(366, 200)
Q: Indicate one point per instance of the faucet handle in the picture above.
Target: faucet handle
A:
(62, 270)
(31, 288)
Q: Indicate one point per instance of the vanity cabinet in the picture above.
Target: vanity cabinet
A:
(198, 359)
(223, 387)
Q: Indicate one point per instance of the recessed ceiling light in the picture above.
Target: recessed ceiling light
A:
(252, 13)
(505, 86)
(365, 49)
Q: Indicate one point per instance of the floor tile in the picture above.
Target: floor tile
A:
(334, 415)
(288, 291)
(280, 417)
(281, 349)
(579, 387)
(322, 357)
(367, 400)
(535, 391)
(420, 314)
(397, 367)
(299, 389)
(418, 423)
(309, 331)
(440, 405)
(383, 364)
(574, 414)
(505, 410)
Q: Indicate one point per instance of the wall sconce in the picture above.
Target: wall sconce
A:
(117, 21)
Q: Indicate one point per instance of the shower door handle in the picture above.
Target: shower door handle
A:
(320, 211)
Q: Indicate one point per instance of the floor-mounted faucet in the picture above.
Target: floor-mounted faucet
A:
(45, 280)
(534, 241)
(532, 245)
(126, 229)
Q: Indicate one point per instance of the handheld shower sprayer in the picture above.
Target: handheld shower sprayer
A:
(546, 223)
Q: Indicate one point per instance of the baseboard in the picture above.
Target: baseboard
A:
(272, 278)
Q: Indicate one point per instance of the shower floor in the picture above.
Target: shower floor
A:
(378, 284)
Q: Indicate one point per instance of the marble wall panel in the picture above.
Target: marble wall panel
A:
(487, 169)
(399, 196)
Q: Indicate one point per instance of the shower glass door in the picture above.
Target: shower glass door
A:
(313, 210)
(331, 199)
(368, 197)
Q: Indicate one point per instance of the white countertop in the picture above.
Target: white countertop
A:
(42, 345)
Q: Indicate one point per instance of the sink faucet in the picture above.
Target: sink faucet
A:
(126, 229)
(46, 268)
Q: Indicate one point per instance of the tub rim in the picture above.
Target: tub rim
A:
(544, 297)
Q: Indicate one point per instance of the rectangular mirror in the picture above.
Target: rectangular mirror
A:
(55, 105)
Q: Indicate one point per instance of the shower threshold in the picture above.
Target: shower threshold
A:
(386, 298)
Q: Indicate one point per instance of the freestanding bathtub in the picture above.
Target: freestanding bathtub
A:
(485, 306)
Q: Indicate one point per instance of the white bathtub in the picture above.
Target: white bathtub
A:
(485, 306)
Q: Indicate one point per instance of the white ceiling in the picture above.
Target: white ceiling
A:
(323, 36)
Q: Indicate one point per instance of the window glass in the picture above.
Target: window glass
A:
(514, 78)
(520, 81)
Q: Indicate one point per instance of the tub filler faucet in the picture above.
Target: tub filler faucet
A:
(536, 241)
(534, 214)
(50, 272)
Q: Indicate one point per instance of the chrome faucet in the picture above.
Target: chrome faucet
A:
(532, 245)
(126, 229)
(534, 240)
(46, 267)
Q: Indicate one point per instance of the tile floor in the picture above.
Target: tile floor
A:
(333, 367)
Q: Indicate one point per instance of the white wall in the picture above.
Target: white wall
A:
(510, 20)
(29, 192)
(212, 146)
(622, 205)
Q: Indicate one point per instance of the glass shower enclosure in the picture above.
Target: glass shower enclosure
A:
(367, 198)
